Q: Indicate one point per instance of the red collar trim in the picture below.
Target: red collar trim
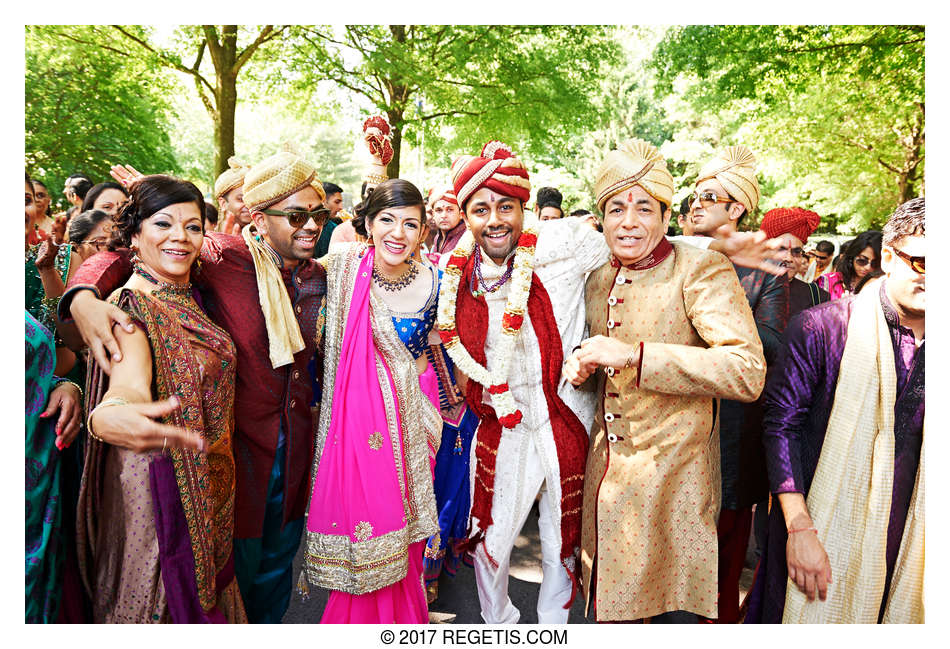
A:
(661, 252)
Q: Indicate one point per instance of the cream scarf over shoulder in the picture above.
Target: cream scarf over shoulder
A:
(850, 497)
(283, 331)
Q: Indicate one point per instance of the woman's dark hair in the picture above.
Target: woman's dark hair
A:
(96, 190)
(870, 238)
(211, 213)
(148, 196)
(82, 224)
(395, 192)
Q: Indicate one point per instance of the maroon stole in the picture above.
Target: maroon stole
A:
(570, 436)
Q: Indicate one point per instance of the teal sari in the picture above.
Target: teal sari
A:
(44, 558)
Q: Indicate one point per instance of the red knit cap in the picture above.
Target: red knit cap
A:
(496, 168)
(796, 221)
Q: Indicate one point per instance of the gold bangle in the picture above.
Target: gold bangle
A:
(112, 401)
(72, 383)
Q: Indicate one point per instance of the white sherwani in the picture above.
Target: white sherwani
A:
(567, 251)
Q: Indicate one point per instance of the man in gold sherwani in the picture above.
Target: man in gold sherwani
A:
(671, 334)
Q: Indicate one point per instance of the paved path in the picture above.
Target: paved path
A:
(458, 597)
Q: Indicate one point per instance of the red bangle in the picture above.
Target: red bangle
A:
(804, 529)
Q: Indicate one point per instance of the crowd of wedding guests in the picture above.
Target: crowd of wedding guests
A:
(211, 382)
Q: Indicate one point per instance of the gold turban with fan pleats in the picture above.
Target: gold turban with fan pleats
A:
(734, 168)
(634, 162)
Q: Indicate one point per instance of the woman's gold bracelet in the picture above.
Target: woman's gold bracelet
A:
(72, 383)
(112, 401)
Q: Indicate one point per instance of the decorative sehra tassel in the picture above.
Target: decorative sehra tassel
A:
(303, 588)
(458, 443)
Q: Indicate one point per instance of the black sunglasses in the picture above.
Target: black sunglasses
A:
(297, 218)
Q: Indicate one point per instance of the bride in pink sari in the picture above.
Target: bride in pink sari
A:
(372, 505)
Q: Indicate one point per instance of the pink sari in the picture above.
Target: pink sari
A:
(359, 540)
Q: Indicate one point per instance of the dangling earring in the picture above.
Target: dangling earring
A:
(196, 267)
(135, 253)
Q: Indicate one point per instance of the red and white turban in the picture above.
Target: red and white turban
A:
(496, 168)
(796, 221)
(443, 193)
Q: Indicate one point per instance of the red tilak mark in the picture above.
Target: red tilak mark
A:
(629, 197)
(491, 197)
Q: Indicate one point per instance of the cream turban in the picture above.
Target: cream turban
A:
(277, 177)
(634, 162)
(232, 177)
(734, 168)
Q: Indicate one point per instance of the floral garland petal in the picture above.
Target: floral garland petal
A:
(495, 380)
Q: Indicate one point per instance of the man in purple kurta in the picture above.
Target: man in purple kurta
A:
(799, 397)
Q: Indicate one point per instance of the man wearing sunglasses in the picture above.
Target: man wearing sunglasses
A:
(823, 253)
(726, 190)
(264, 288)
(792, 226)
(843, 438)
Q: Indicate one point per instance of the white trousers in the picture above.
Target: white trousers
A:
(507, 523)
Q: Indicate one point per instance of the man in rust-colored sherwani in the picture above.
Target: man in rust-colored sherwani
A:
(671, 334)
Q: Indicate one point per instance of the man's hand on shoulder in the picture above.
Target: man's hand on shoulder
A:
(95, 319)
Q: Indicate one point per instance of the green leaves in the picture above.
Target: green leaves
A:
(88, 108)
(836, 116)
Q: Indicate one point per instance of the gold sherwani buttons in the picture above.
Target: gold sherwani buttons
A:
(612, 438)
(609, 417)
(612, 300)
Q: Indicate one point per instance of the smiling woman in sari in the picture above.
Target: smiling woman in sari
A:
(156, 511)
(372, 506)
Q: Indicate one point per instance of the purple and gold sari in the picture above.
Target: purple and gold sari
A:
(155, 530)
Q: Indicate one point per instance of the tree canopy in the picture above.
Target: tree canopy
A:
(834, 114)
(87, 110)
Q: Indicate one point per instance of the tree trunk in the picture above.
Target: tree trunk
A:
(395, 121)
(226, 101)
(225, 95)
